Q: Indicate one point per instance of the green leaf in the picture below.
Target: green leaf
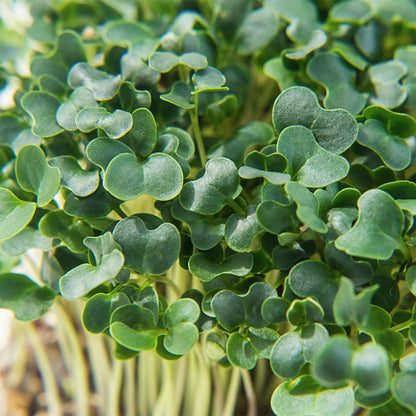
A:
(384, 226)
(182, 310)
(42, 108)
(233, 310)
(133, 327)
(349, 308)
(24, 297)
(402, 389)
(74, 178)
(305, 311)
(240, 231)
(315, 279)
(240, 351)
(71, 231)
(102, 85)
(10, 127)
(202, 265)
(108, 263)
(389, 409)
(360, 272)
(329, 69)
(357, 12)
(293, 349)
(331, 366)
(159, 175)
(396, 124)
(308, 162)
(102, 151)
(263, 339)
(114, 124)
(208, 79)
(304, 397)
(269, 167)
(257, 29)
(97, 311)
(151, 252)
(143, 133)
(334, 130)
(35, 175)
(393, 150)
(180, 96)
(206, 232)
(371, 368)
(15, 214)
(317, 40)
(273, 309)
(275, 217)
(126, 32)
(165, 61)
(215, 189)
(181, 338)
(385, 77)
(411, 279)
(307, 210)
(67, 112)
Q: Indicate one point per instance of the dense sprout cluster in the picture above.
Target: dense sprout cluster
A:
(147, 155)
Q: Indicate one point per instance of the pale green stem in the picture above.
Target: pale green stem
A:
(218, 391)
(142, 394)
(250, 394)
(48, 377)
(193, 114)
(100, 366)
(81, 382)
(403, 325)
(191, 392)
(166, 399)
(260, 377)
(180, 380)
(129, 388)
(232, 394)
(114, 389)
(203, 398)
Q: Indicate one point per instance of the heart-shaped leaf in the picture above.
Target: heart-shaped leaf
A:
(149, 251)
(334, 130)
(180, 95)
(241, 352)
(35, 175)
(182, 310)
(386, 77)
(208, 79)
(206, 232)
(275, 217)
(108, 263)
(240, 231)
(233, 310)
(303, 312)
(73, 177)
(143, 134)
(304, 397)
(15, 214)
(102, 85)
(384, 226)
(159, 175)
(393, 150)
(67, 112)
(102, 151)
(256, 30)
(42, 108)
(308, 162)
(114, 124)
(165, 61)
(205, 268)
(307, 203)
(269, 167)
(24, 297)
(133, 327)
(371, 368)
(293, 349)
(341, 92)
(71, 231)
(97, 311)
(315, 279)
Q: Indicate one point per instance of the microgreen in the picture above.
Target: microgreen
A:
(236, 180)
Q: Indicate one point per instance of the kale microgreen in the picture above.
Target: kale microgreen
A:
(236, 175)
